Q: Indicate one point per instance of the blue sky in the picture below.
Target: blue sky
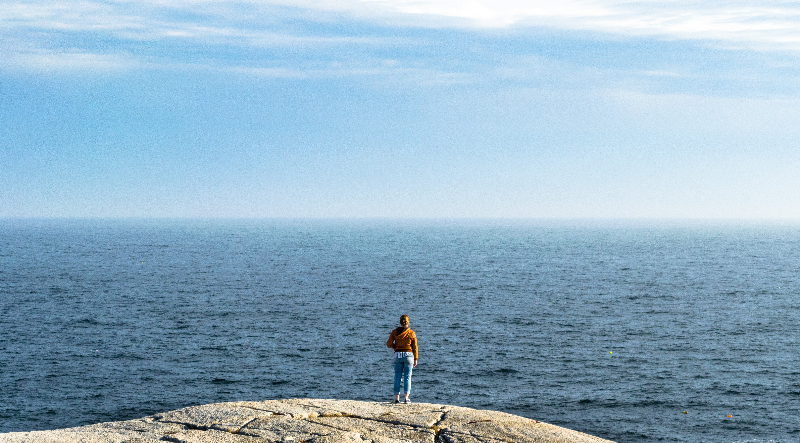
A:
(296, 108)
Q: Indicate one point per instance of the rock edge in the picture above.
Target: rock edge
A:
(314, 421)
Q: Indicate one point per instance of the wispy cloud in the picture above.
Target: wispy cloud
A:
(766, 25)
(102, 34)
(44, 61)
(21, 55)
(302, 38)
(768, 22)
(151, 21)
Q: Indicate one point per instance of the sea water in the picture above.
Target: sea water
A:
(635, 332)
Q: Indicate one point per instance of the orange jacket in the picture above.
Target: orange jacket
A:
(403, 340)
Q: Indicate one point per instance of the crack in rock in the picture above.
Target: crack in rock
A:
(245, 425)
(187, 425)
(437, 432)
(261, 410)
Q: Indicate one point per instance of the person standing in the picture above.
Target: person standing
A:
(404, 342)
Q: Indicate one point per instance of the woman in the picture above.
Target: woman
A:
(404, 342)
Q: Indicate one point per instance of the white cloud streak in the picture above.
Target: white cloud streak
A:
(770, 25)
(770, 22)
(767, 25)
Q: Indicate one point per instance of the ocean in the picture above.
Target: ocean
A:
(630, 331)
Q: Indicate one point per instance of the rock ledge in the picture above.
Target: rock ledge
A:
(314, 421)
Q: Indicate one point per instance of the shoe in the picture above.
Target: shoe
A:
(407, 401)
(396, 401)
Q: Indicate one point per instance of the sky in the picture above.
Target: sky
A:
(654, 109)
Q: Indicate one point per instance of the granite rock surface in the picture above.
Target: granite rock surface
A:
(314, 421)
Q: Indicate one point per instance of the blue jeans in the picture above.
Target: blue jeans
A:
(402, 370)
